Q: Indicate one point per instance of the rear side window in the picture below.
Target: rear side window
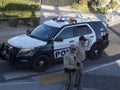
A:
(98, 27)
(82, 30)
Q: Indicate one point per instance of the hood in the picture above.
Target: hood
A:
(24, 41)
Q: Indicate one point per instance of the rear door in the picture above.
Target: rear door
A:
(87, 31)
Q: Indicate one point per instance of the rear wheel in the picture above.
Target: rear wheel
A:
(41, 63)
(95, 52)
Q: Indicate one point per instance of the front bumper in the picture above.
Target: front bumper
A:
(10, 54)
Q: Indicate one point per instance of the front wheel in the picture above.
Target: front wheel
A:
(41, 63)
(95, 52)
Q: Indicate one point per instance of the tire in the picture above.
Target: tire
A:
(41, 63)
(95, 52)
(1, 48)
(11, 62)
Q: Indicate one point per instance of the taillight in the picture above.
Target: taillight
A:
(107, 33)
(105, 36)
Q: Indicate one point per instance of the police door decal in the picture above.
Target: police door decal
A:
(60, 53)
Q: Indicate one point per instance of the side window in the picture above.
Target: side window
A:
(66, 33)
(82, 30)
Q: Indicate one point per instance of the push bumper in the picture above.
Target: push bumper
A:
(9, 53)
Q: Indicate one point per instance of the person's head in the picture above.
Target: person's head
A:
(82, 40)
(72, 49)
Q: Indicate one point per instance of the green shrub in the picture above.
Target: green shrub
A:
(114, 4)
(83, 7)
(76, 6)
(19, 8)
(13, 22)
(101, 10)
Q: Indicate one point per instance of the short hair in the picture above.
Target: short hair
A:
(72, 46)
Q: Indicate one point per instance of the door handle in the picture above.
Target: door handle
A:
(91, 36)
(71, 41)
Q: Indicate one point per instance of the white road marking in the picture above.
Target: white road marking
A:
(17, 74)
(102, 66)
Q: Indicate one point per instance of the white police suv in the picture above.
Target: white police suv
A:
(48, 42)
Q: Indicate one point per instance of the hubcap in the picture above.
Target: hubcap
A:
(96, 53)
(41, 63)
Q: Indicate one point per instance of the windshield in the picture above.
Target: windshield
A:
(44, 32)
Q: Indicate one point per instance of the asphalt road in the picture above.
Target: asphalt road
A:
(92, 80)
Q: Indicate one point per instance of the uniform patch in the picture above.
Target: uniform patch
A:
(67, 58)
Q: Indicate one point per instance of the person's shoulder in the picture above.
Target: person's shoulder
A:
(67, 56)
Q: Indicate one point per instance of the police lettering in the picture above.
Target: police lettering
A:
(57, 54)
(63, 53)
(60, 53)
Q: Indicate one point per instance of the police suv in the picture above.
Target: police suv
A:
(49, 42)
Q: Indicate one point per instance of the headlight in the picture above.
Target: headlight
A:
(25, 50)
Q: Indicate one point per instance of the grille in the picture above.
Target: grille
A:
(11, 50)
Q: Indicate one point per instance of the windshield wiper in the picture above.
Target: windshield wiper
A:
(33, 36)
(36, 37)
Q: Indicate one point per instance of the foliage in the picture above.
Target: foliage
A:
(101, 10)
(19, 8)
(80, 7)
(93, 6)
(113, 4)
(76, 6)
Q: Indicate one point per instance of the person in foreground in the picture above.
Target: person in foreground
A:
(73, 61)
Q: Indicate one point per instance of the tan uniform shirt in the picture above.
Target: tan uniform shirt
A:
(69, 61)
(80, 52)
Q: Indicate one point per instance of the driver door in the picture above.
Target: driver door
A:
(61, 47)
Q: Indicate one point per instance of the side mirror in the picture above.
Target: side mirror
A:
(28, 31)
(59, 39)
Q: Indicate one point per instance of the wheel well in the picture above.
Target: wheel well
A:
(93, 50)
(99, 43)
(38, 54)
(42, 61)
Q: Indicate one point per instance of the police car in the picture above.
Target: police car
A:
(49, 42)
